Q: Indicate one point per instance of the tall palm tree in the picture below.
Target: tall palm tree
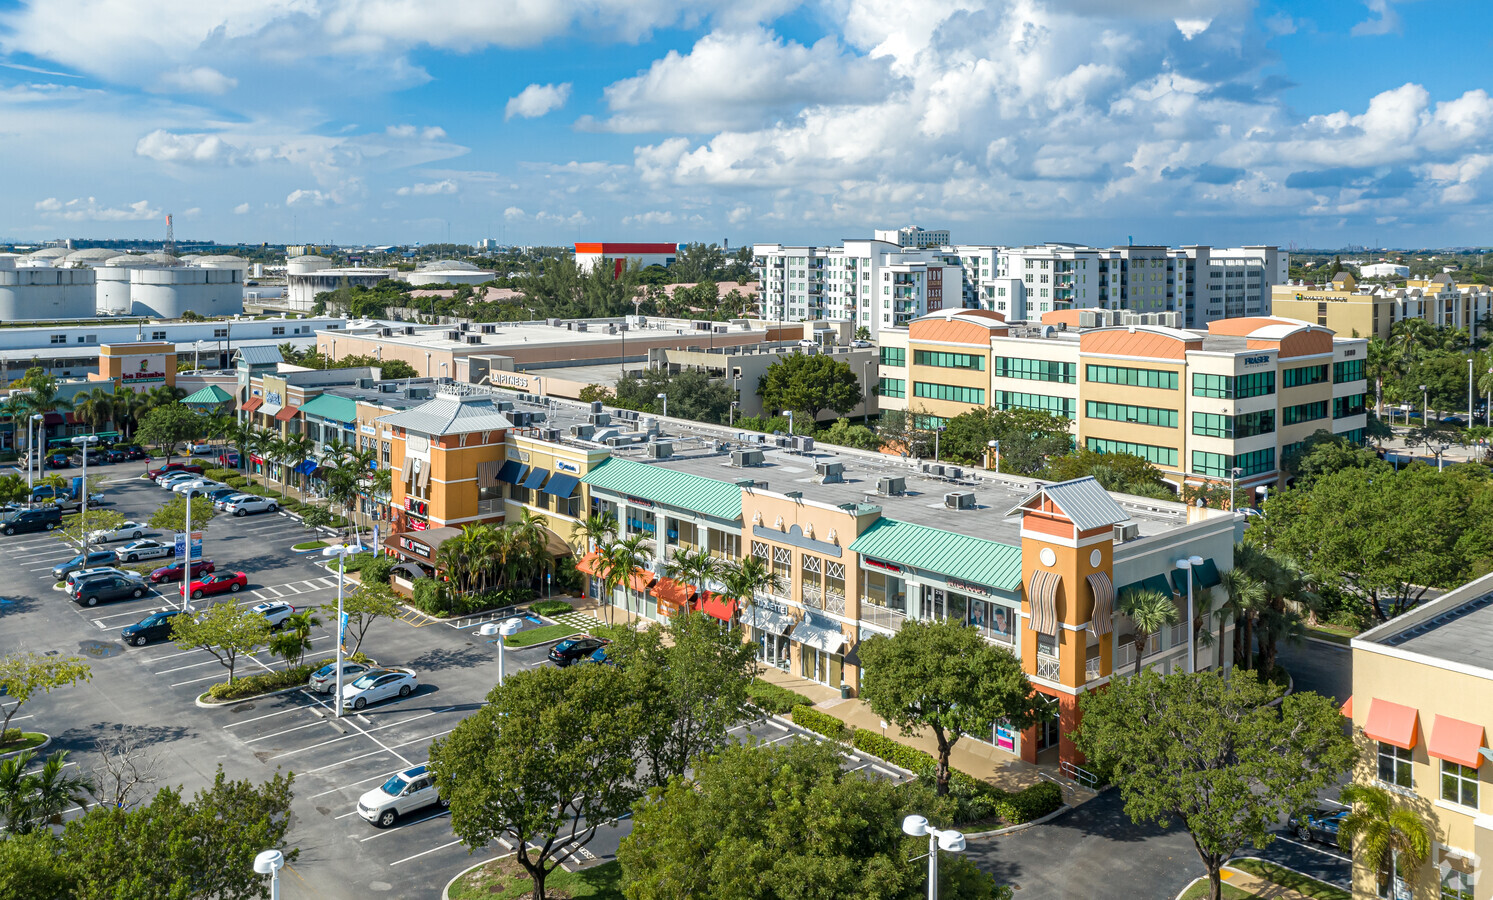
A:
(262, 442)
(743, 581)
(1381, 364)
(1150, 611)
(1243, 598)
(530, 538)
(241, 435)
(451, 557)
(591, 532)
(95, 407)
(694, 567)
(620, 560)
(298, 448)
(128, 406)
(1390, 836)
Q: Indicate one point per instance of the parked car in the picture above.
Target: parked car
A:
(196, 488)
(378, 684)
(222, 503)
(59, 461)
(172, 571)
(197, 448)
(599, 656)
(228, 459)
(154, 627)
(220, 583)
(1320, 824)
(104, 588)
(84, 574)
(135, 551)
(277, 611)
(82, 561)
(42, 493)
(410, 790)
(129, 531)
(132, 451)
(1456, 421)
(222, 493)
(173, 467)
(117, 455)
(575, 648)
(172, 479)
(27, 520)
(97, 457)
(324, 680)
(250, 503)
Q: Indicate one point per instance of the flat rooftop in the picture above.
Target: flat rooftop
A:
(508, 334)
(1456, 628)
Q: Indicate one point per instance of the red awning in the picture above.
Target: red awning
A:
(52, 418)
(287, 413)
(253, 404)
(591, 565)
(1392, 723)
(72, 419)
(1347, 707)
(1456, 741)
(723, 608)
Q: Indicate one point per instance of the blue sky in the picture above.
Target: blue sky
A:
(550, 121)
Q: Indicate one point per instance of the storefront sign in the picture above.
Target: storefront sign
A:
(418, 507)
(415, 547)
(140, 372)
(508, 379)
(967, 588)
(273, 398)
(639, 501)
(878, 564)
(417, 525)
(1256, 360)
(563, 466)
(767, 605)
(366, 429)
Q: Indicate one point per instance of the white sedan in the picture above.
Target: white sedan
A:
(196, 486)
(324, 680)
(379, 684)
(129, 531)
(146, 549)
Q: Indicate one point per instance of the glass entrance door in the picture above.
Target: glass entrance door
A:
(772, 649)
(817, 665)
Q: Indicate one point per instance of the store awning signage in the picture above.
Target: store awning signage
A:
(1456, 741)
(826, 640)
(1044, 600)
(535, 478)
(512, 472)
(1392, 723)
(1102, 621)
(287, 413)
(766, 619)
(562, 485)
(717, 606)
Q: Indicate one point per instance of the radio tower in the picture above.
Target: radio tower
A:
(170, 247)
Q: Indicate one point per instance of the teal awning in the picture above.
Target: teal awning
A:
(1157, 583)
(1203, 576)
(212, 395)
(328, 406)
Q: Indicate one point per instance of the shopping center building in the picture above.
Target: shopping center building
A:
(1422, 705)
(1241, 395)
(861, 542)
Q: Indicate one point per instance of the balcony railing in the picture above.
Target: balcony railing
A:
(1047, 667)
(812, 596)
(881, 617)
(1091, 668)
(834, 601)
(489, 507)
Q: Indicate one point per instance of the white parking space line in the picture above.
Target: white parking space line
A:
(345, 815)
(212, 677)
(382, 777)
(275, 591)
(265, 737)
(194, 665)
(355, 759)
(1321, 850)
(426, 852)
(389, 831)
(140, 613)
(267, 716)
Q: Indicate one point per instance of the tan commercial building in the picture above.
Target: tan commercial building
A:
(1422, 705)
(1371, 310)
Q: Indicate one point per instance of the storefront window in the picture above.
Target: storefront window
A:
(725, 544)
(817, 665)
(809, 581)
(994, 622)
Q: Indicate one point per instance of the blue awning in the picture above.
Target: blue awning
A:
(535, 477)
(562, 485)
(306, 467)
(512, 472)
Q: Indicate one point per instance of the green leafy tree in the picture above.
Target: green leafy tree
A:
(168, 425)
(1123, 473)
(763, 822)
(367, 604)
(808, 384)
(1390, 838)
(294, 637)
(24, 675)
(29, 868)
(1149, 611)
(1208, 750)
(942, 676)
(844, 434)
(13, 488)
(225, 630)
(78, 527)
(544, 763)
(1324, 453)
(692, 394)
(171, 516)
(690, 680)
(1029, 438)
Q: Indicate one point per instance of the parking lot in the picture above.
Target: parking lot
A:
(152, 690)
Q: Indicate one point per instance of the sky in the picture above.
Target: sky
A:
(1317, 124)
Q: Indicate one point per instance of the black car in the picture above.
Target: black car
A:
(1320, 824)
(23, 521)
(59, 461)
(575, 648)
(154, 627)
(222, 492)
(105, 588)
(132, 451)
(117, 455)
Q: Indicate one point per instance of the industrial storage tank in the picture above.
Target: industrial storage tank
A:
(222, 261)
(305, 265)
(93, 256)
(48, 255)
(449, 271)
(168, 292)
(35, 292)
(162, 259)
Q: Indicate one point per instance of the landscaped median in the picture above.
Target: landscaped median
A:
(505, 879)
(540, 635)
(1255, 878)
(265, 683)
(18, 741)
(979, 801)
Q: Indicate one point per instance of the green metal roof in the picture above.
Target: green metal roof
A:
(211, 395)
(954, 555)
(329, 406)
(719, 499)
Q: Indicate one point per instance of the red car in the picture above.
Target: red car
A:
(228, 459)
(221, 583)
(173, 571)
(174, 467)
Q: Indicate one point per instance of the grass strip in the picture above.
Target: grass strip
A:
(504, 879)
(538, 635)
(1302, 884)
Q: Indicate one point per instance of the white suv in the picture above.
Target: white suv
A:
(401, 795)
(250, 503)
(277, 611)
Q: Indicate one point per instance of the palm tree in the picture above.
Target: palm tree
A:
(294, 638)
(95, 407)
(1243, 598)
(743, 581)
(298, 448)
(695, 567)
(29, 800)
(290, 353)
(128, 406)
(1381, 365)
(1392, 837)
(1150, 611)
(241, 435)
(262, 442)
(452, 558)
(587, 534)
(530, 538)
(620, 560)
(13, 410)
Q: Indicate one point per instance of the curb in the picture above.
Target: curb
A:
(1012, 829)
(37, 749)
(1326, 643)
(783, 720)
(1282, 866)
(219, 704)
(446, 891)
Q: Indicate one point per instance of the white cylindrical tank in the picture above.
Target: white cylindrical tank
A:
(162, 259)
(168, 292)
(48, 254)
(37, 292)
(113, 297)
(223, 261)
(449, 271)
(305, 265)
(93, 256)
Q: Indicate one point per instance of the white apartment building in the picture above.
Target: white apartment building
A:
(874, 284)
(913, 236)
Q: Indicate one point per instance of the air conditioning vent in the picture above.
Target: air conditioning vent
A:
(596, 406)
(386, 332)
(489, 329)
(660, 449)
(582, 432)
(474, 339)
(934, 470)
(520, 419)
(803, 444)
(743, 458)
(409, 329)
(1125, 533)
(829, 472)
(453, 335)
(599, 418)
(550, 434)
(959, 500)
(891, 485)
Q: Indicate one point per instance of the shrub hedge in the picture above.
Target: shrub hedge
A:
(237, 481)
(550, 607)
(824, 723)
(775, 699)
(264, 682)
(377, 569)
(220, 474)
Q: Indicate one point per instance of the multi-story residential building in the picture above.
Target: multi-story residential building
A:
(1372, 310)
(1423, 703)
(913, 236)
(875, 284)
(857, 544)
(1234, 400)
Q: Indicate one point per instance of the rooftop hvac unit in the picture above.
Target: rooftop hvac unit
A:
(803, 444)
(959, 500)
(1087, 318)
(474, 339)
(489, 329)
(464, 327)
(386, 332)
(553, 323)
(597, 406)
(829, 472)
(891, 485)
(521, 419)
(743, 458)
(782, 440)
(580, 326)
(1125, 533)
(550, 434)
(409, 329)
(660, 449)
(453, 335)
(954, 472)
(582, 432)
(649, 425)
(504, 405)
(1169, 319)
(599, 418)
(935, 470)
(618, 441)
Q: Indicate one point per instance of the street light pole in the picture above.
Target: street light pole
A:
(1234, 474)
(340, 552)
(85, 440)
(1186, 565)
(502, 631)
(950, 840)
(31, 449)
(269, 863)
(1425, 407)
(1469, 390)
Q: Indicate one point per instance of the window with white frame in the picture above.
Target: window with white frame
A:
(1458, 784)
(1456, 885)
(1394, 765)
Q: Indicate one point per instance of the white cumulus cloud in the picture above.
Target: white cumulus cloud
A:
(89, 210)
(195, 80)
(537, 100)
(445, 186)
(241, 209)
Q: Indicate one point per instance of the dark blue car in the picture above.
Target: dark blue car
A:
(1320, 824)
